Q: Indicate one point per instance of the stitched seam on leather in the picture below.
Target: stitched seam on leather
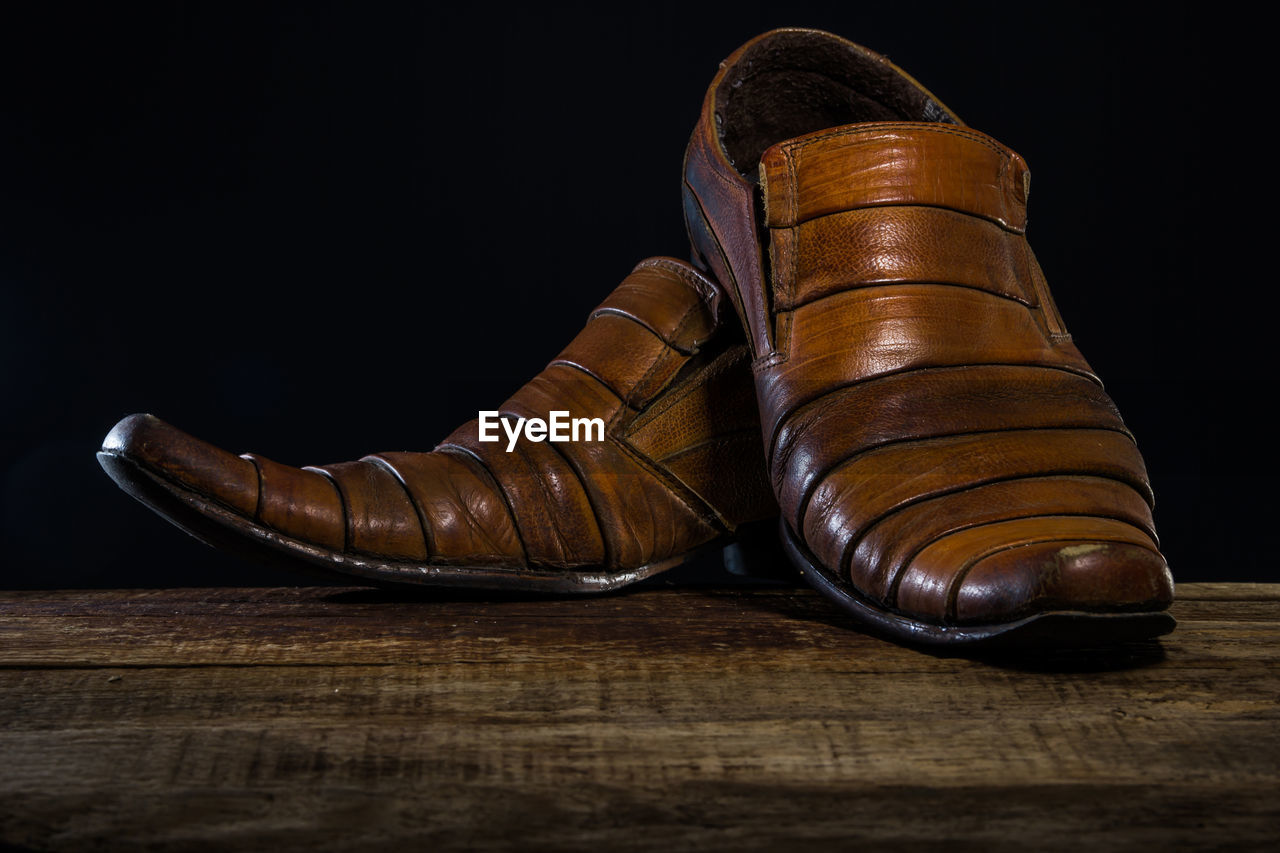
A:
(891, 589)
(700, 285)
(342, 503)
(769, 359)
(783, 319)
(872, 128)
(1007, 158)
(477, 463)
(953, 588)
(835, 467)
(427, 537)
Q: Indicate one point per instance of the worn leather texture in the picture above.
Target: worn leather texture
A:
(680, 465)
(938, 445)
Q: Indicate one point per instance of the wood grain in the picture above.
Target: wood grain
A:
(350, 719)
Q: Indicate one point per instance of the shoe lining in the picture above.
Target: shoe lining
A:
(800, 82)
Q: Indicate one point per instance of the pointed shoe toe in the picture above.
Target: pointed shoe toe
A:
(1082, 576)
(674, 467)
(144, 443)
(947, 464)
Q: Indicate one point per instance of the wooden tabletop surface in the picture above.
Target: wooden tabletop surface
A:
(686, 719)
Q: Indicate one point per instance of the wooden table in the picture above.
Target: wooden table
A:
(683, 719)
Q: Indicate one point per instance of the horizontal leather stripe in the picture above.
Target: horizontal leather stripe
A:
(923, 404)
(892, 542)
(300, 503)
(897, 328)
(615, 482)
(883, 163)
(566, 388)
(679, 315)
(623, 354)
(854, 496)
(884, 245)
(467, 518)
(618, 484)
(553, 515)
(380, 518)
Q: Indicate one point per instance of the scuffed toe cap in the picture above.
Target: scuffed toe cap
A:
(153, 445)
(1089, 576)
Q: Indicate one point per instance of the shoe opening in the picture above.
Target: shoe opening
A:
(792, 82)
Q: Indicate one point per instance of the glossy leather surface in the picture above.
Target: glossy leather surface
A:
(938, 445)
(680, 465)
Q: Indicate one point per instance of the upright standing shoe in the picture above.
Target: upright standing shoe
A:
(948, 466)
(678, 467)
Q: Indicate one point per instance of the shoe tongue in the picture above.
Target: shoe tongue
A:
(886, 163)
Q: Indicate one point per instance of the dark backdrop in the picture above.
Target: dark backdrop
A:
(317, 231)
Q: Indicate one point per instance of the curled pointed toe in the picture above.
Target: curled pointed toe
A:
(142, 445)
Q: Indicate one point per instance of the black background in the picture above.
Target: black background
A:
(315, 231)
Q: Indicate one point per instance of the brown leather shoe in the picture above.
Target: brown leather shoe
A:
(679, 467)
(948, 466)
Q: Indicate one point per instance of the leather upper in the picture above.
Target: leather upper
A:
(933, 436)
(680, 464)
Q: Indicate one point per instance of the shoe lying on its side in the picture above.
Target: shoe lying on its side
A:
(679, 468)
(948, 466)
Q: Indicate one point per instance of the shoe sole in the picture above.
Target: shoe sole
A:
(216, 525)
(1052, 629)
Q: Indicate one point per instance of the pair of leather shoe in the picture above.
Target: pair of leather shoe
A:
(867, 351)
